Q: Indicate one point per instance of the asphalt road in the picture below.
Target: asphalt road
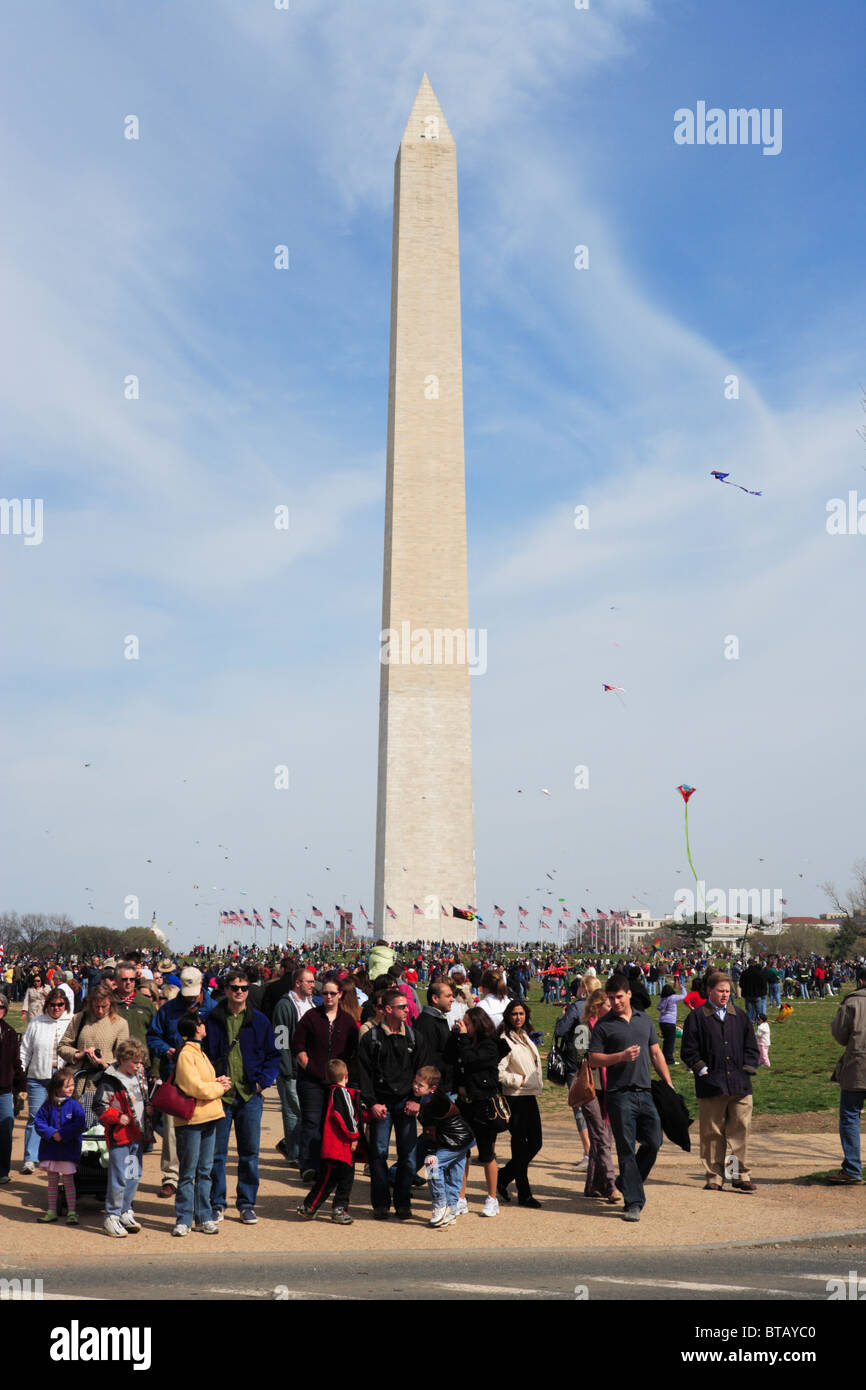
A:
(792, 1271)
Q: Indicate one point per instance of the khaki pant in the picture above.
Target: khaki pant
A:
(168, 1162)
(724, 1123)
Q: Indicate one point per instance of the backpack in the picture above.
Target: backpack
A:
(376, 1040)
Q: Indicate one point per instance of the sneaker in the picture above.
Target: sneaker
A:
(491, 1207)
(447, 1220)
(305, 1212)
(179, 1230)
(462, 1207)
(113, 1226)
(127, 1219)
(843, 1179)
(29, 1167)
(438, 1216)
(280, 1147)
(631, 1214)
(292, 1163)
(168, 1189)
(309, 1175)
(248, 1217)
(72, 1218)
(404, 1214)
(341, 1216)
(582, 1162)
(208, 1228)
(528, 1202)
(219, 1215)
(47, 1216)
(743, 1185)
(381, 1213)
(502, 1193)
(5, 1179)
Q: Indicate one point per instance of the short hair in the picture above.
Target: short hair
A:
(431, 1076)
(187, 1025)
(336, 1070)
(299, 971)
(392, 996)
(395, 971)
(131, 1050)
(235, 974)
(436, 989)
(717, 977)
(616, 983)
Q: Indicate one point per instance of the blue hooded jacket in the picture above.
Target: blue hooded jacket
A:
(162, 1033)
(259, 1051)
(66, 1119)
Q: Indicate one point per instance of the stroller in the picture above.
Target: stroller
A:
(91, 1179)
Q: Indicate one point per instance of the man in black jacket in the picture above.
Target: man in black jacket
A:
(753, 986)
(389, 1055)
(720, 1047)
(431, 1026)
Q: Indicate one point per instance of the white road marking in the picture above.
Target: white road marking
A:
(683, 1284)
(495, 1288)
(286, 1295)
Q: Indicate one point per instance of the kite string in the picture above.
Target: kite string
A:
(691, 865)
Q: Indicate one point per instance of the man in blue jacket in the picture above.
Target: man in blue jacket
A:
(240, 1043)
(720, 1047)
(163, 1041)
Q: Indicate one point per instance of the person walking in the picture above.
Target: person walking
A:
(668, 1001)
(626, 1043)
(753, 983)
(599, 1171)
(848, 1027)
(720, 1048)
(522, 1083)
(326, 1033)
(288, 1010)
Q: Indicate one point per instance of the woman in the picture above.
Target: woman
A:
(521, 1078)
(323, 1035)
(349, 1001)
(475, 1052)
(599, 1170)
(12, 1081)
(668, 1022)
(34, 999)
(196, 1137)
(494, 995)
(92, 1038)
(40, 1060)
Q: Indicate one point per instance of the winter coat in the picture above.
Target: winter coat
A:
(387, 1063)
(285, 1020)
(256, 1039)
(119, 1103)
(11, 1071)
(66, 1119)
(729, 1051)
(162, 1035)
(195, 1076)
(139, 1014)
(753, 982)
(477, 1064)
(520, 1071)
(40, 1045)
(432, 1028)
(848, 1027)
(324, 1043)
(342, 1124)
(381, 960)
(442, 1125)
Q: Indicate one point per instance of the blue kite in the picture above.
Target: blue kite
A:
(723, 478)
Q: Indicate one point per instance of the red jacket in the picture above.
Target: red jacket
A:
(113, 1105)
(342, 1125)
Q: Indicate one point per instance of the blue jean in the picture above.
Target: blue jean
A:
(445, 1176)
(37, 1095)
(195, 1153)
(755, 1007)
(124, 1175)
(7, 1124)
(313, 1101)
(776, 994)
(634, 1120)
(850, 1107)
(287, 1088)
(246, 1116)
(404, 1135)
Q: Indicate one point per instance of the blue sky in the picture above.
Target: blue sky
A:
(258, 387)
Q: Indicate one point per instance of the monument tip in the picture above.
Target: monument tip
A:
(427, 119)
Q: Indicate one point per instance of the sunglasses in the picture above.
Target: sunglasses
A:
(239, 989)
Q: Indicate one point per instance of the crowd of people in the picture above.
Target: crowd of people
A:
(407, 1067)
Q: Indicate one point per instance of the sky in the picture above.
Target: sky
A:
(142, 785)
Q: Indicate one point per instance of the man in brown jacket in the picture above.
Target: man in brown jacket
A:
(849, 1029)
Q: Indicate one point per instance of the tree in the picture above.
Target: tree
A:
(801, 941)
(852, 927)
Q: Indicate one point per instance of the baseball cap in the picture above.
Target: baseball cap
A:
(190, 982)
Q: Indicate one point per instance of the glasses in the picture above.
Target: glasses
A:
(330, 993)
(239, 989)
(58, 1004)
(399, 1006)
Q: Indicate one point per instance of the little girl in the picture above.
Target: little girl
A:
(762, 1036)
(60, 1123)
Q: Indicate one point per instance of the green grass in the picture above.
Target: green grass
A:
(802, 1056)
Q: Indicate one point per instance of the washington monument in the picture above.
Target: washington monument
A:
(425, 846)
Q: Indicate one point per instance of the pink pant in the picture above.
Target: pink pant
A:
(763, 1055)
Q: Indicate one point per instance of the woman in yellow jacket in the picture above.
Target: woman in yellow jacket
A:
(521, 1080)
(195, 1076)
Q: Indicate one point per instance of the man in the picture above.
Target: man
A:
(849, 1029)
(12, 1081)
(720, 1048)
(278, 986)
(753, 983)
(289, 1009)
(90, 977)
(138, 1009)
(625, 1042)
(433, 1028)
(163, 1041)
(389, 1055)
(774, 982)
(240, 1044)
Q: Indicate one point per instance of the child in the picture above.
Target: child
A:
(120, 1102)
(340, 1136)
(60, 1123)
(447, 1139)
(762, 1036)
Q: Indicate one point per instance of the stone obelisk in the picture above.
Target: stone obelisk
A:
(425, 845)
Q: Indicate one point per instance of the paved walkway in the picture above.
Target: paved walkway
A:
(678, 1211)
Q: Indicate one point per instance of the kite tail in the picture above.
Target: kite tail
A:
(691, 865)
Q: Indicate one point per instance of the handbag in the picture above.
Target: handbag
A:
(582, 1089)
(497, 1113)
(556, 1063)
(168, 1100)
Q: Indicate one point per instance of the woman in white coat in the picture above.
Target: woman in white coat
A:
(40, 1060)
(521, 1079)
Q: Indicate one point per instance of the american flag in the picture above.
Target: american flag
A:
(416, 910)
(308, 923)
(482, 925)
(602, 915)
(275, 916)
(584, 913)
(565, 912)
(245, 919)
(317, 913)
(329, 925)
(522, 912)
(236, 921)
(545, 926)
(547, 912)
(499, 911)
(502, 926)
(258, 917)
(445, 912)
(523, 927)
(390, 911)
(364, 915)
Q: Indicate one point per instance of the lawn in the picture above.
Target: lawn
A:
(802, 1056)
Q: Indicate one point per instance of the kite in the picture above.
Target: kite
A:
(617, 689)
(87, 764)
(544, 791)
(685, 792)
(723, 478)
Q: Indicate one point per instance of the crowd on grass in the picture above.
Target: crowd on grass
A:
(407, 1069)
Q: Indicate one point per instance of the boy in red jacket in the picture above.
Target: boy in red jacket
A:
(341, 1133)
(120, 1101)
